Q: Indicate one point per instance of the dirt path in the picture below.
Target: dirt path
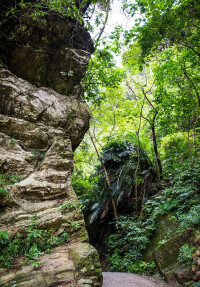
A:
(115, 279)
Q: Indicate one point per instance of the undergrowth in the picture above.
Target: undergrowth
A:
(30, 245)
(182, 199)
(185, 254)
(126, 246)
(7, 180)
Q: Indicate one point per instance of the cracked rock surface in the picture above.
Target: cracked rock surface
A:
(42, 120)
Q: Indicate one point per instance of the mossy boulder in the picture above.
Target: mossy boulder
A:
(164, 248)
(82, 256)
(166, 228)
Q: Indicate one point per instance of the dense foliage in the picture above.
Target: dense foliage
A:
(155, 105)
(182, 199)
(126, 246)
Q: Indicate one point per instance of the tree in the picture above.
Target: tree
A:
(102, 75)
(165, 24)
(151, 116)
(107, 180)
(177, 92)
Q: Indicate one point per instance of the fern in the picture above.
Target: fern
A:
(192, 218)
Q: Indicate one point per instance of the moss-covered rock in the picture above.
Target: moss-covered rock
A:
(82, 256)
(164, 248)
(166, 228)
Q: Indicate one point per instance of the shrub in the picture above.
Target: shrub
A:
(126, 246)
(185, 254)
(33, 243)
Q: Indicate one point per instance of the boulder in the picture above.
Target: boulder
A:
(164, 248)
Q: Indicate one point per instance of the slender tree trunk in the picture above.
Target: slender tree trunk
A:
(155, 146)
(136, 177)
(114, 208)
(194, 137)
(152, 125)
(189, 145)
(106, 174)
(138, 160)
(104, 24)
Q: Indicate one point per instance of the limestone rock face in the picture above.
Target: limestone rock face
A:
(51, 52)
(39, 129)
(34, 116)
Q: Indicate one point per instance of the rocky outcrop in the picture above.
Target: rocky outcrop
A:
(39, 129)
(41, 113)
(196, 259)
(166, 257)
(164, 248)
(50, 51)
(58, 269)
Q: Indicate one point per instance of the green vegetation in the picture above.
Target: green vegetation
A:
(140, 160)
(3, 191)
(126, 246)
(153, 102)
(7, 180)
(72, 9)
(29, 246)
(185, 254)
(75, 224)
(68, 206)
(4, 237)
(182, 196)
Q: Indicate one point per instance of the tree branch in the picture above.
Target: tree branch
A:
(104, 24)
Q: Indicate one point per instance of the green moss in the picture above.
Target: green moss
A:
(83, 235)
(167, 253)
(86, 261)
(166, 228)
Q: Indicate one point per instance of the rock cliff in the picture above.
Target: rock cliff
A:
(42, 120)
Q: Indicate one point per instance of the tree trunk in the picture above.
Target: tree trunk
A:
(106, 175)
(156, 150)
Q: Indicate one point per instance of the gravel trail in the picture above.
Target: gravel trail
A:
(115, 279)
